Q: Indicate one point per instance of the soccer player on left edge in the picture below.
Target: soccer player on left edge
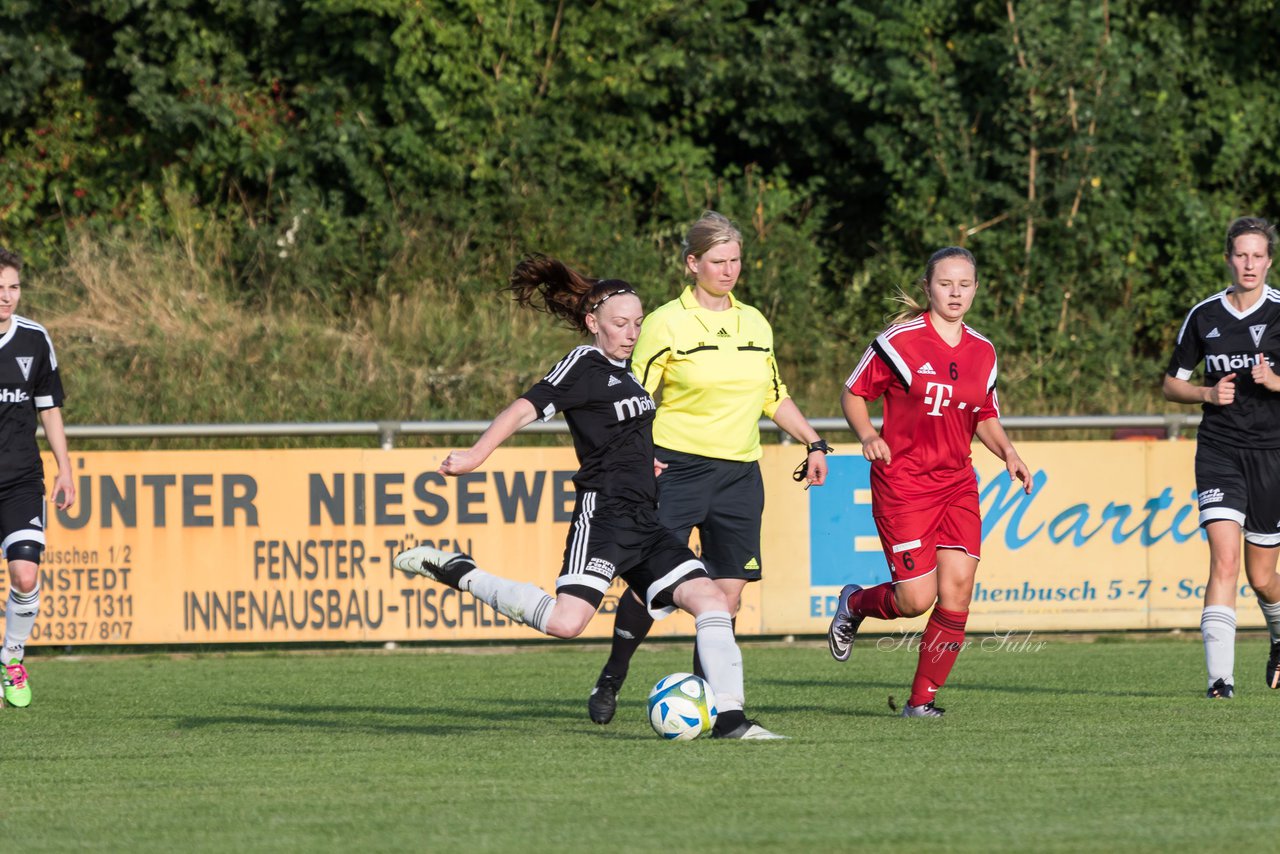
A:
(938, 379)
(29, 385)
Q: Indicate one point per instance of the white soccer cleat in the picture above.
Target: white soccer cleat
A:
(844, 626)
(749, 730)
(446, 567)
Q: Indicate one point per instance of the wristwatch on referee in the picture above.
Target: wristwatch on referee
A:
(802, 471)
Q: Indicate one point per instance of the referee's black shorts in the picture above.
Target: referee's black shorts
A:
(724, 500)
(1241, 485)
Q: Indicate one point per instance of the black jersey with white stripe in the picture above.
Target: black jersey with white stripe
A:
(610, 417)
(28, 382)
(1230, 342)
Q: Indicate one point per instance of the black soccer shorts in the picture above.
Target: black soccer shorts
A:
(22, 517)
(724, 500)
(609, 539)
(1241, 485)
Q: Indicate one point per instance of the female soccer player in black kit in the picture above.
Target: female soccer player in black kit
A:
(29, 387)
(615, 529)
(1236, 332)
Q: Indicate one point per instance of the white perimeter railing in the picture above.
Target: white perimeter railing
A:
(1170, 425)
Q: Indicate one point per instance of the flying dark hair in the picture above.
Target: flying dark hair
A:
(545, 284)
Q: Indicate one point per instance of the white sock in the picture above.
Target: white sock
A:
(721, 658)
(20, 615)
(1271, 612)
(523, 602)
(1218, 626)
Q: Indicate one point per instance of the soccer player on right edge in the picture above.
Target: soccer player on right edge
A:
(1237, 334)
(938, 378)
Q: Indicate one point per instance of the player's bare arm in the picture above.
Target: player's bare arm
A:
(991, 433)
(1223, 393)
(519, 414)
(64, 485)
(859, 417)
(789, 417)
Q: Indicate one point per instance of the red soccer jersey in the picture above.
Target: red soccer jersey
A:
(934, 397)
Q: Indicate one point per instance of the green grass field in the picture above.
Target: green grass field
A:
(1077, 745)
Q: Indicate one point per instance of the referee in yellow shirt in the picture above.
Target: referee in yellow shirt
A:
(712, 357)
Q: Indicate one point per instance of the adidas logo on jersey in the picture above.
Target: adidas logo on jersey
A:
(751, 564)
(1214, 333)
(613, 380)
(926, 369)
(10, 395)
(722, 333)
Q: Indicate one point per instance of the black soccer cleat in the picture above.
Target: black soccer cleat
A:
(1220, 690)
(1273, 666)
(446, 567)
(603, 701)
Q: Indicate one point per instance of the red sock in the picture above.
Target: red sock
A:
(875, 602)
(943, 637)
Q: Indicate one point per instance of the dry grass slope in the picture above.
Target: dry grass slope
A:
(158, 332)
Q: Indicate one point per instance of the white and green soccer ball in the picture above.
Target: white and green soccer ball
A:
(682, 707)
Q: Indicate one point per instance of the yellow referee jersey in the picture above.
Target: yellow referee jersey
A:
(717, 373)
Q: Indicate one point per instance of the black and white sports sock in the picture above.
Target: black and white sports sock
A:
(697, 659)
(721, 658)
(630, 627)
(1218, 627)
(1271, 613)
(21, 611)
(521, 601)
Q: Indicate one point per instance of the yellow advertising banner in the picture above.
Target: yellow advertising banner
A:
(263, 546)
(1108, 538)
(181, 547)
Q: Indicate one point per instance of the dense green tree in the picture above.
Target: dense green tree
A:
(1090, 152)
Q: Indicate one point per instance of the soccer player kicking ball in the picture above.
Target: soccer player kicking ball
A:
(29, 385)
(938, 380)
(615, 529)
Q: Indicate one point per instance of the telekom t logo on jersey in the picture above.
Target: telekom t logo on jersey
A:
(937, 395)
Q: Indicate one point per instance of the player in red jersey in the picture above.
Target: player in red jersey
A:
(938, 379)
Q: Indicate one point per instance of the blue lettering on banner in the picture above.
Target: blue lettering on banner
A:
(1080, 523)
(845, 548)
